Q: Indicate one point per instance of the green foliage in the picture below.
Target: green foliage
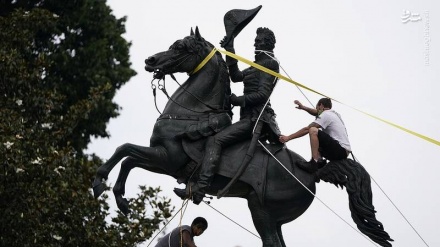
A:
(47, 98)
(84, 48)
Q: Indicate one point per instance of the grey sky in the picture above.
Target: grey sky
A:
(368, 55)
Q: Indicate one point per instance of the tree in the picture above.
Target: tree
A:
(45, 179)
(85, 48)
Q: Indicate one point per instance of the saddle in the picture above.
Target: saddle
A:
(230, 162)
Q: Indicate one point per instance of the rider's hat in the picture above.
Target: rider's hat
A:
(235, 20)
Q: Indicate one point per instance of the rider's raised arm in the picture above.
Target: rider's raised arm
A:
(235, 73)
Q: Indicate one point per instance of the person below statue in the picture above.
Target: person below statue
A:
(184, 235)
(328, 135)
(258, 86)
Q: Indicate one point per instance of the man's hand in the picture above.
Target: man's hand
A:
(299, 105)
(311, 111)
(284, 139)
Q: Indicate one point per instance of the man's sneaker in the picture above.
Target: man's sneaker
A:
(312, 166)
(321, 163)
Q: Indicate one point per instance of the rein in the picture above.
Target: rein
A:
(161, 86)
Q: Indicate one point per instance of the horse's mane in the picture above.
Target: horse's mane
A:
(192, 44)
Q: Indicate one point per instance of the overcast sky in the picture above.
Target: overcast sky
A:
(381, 58)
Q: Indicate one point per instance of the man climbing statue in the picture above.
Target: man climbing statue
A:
(328, 135)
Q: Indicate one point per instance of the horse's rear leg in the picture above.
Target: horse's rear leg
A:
(147, 154)
(266, 226)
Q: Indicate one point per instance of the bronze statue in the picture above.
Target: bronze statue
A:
(256, 115)
(200, 108)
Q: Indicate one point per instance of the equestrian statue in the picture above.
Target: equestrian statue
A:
(199, 109)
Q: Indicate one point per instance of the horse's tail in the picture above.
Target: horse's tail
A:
(356, 179)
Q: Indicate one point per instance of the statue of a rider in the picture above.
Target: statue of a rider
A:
(256, 114)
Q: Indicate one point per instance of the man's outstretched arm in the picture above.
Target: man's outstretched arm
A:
(311, 111)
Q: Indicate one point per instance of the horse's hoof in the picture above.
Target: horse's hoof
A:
(98, 187)
(123, 205)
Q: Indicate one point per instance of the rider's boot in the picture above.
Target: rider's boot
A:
(210, 161)
(312, 165)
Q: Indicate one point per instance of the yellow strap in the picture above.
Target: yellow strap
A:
(271, 72)
(204, 61)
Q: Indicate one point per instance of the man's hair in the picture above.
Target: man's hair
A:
(200, 221)
(269, 36)
(326, 102)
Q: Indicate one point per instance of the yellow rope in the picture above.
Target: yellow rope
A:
(271, 72)
(207, 58)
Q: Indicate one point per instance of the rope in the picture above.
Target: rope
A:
(299, 89)
(186, 202)
(163, 89)
(153, 87)
(182, 212)
(270, 54)
(189, 92)
(268, 98)
(314, 195)
(262, 68)
(395, 206)
(267, 53)
(207, 58)
(409, 131)
(232, 220)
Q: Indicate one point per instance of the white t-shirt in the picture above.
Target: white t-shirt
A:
(332, 124)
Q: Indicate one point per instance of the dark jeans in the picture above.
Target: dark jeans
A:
(329, 148)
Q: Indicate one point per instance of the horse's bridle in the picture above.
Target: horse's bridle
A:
(195, 70)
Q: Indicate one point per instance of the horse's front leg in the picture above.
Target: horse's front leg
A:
(151, 159)
(121, 152)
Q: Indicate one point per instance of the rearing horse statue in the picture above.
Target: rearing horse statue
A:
(200, 108)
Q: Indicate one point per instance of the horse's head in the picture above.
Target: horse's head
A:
(182, 56)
